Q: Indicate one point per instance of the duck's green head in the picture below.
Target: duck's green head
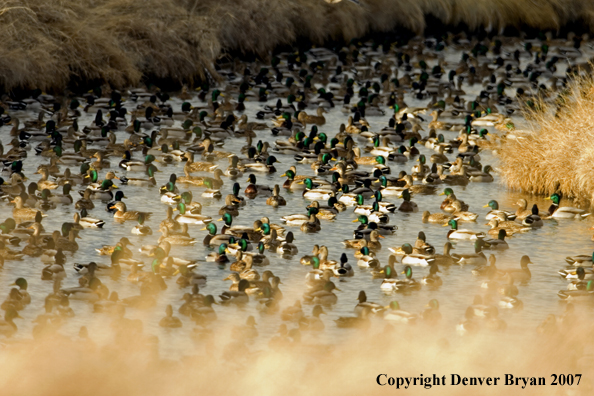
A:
(364, 251)
(261, 247)
(236, 188)
(327, 157)
(422, 159)
(407, 272)
(394, 306)
(289, 174)
(243, 244)
(312, 211)
(308, 183)
(447, 192)
(315, 262)
(181, 206)
(251, 178)
(222, 248)
(107, 184)
(590, 285)
(265, 228)
(556, 198)
(389, 272)
(452, 223)
(345, 188)
(406, 195)
(360, 199)
(94, 176)
(170, 186)
(227, 218)
(383, 180)
(375, 206)
(380, 160)
(271, 160)
(187, 197)
(407, 248)
(159, 253)
(494, 205)
(141, 218)
(21, 283)
(362, 219)
(150, 170)
(212, 228)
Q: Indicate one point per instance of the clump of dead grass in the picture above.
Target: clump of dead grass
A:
(558, 154)
(49, 43)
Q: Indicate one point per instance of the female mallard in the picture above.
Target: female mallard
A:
(460, 214)
(324, 296)
(564, 212)
(65, 197)
(123, 213)
(495, 211)
(407, 205)
(169, 320)
(188, 218)
(510, 227)
(436, 217)
(20, 212)
(318, 119)
(432, 279)
(191, 166)
(44, 183)
(373, 242)
(312, 224)
(455, 233)
(418, 188)
(276, 200)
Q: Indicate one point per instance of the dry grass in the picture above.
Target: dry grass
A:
(48, 43)
(559, 154)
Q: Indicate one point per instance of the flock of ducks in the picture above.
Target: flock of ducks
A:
(364, 171)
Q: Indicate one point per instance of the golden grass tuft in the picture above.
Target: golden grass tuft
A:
(559, 153)
(48, 43)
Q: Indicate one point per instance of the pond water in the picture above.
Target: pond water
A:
(547, 246)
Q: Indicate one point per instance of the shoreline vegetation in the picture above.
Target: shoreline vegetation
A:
(55, 44)
(557, 155)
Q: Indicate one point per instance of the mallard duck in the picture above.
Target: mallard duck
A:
(189, 218)
(169, 320)
(495, 211)
(497, 244)
(239, 297)
(417, 188)
(523, 273)
(65, 197)
(460, 214)
(372, 243)
(20, 212)
(564, 212)
(44, 183)
(276, 200)
(176, 239)
(476, 258)
(445, 258)
(510, 227)
(141, 228)
(123, 213)
(150, 182)
(456, 233)
(311, 225)
(393, 313)
(407, 205)
(254, 189)
(482, 177)
(87, 222)
(318, 119)
(214, 239)
(440, 218)
(325, 296)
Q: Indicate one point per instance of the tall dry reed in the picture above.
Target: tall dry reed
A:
(48, 43)
(558, 154)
